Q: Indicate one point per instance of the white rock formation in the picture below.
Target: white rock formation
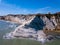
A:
(25, 32)
(23, 23)
(48, 23)
(54, 20)
(20, 31)
(41, 36)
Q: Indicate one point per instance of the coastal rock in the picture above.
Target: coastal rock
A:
(32, 26)
(41, 36)
(50, 21)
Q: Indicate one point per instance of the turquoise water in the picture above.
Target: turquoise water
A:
(6, 27)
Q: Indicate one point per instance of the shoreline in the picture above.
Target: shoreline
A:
(8, 21)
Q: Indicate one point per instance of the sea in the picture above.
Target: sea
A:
(6, 27)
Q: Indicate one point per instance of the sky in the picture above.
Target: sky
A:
(28, 6)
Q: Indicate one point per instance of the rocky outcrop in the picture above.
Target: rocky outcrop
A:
(29, 33)
(32, 26)
(37, 21)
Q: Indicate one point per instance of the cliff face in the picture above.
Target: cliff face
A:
(36, 21)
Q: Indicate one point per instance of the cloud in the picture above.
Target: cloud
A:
(13, 9)
(42, 10)
(47, 9)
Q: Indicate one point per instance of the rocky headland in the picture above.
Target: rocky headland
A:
(34, 26)
(49, 21)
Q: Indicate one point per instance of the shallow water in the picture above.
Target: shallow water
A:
(6, 27)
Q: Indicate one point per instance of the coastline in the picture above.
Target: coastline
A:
(37, 20)
(9, 21)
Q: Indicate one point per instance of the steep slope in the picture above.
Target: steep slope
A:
(36, 21)
(48, 23)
